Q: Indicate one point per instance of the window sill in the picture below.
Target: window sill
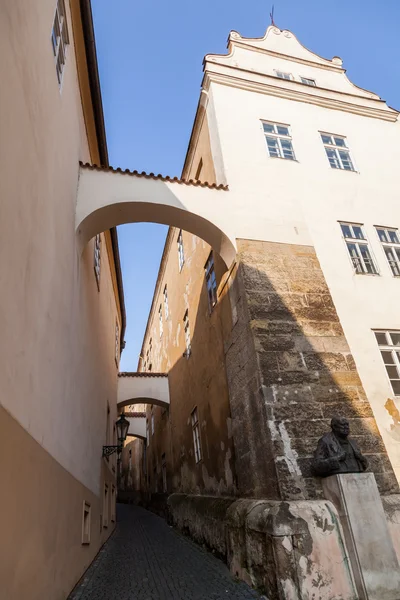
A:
(289, 160)
(345, 171)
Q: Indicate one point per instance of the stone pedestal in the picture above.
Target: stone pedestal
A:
(373, 559)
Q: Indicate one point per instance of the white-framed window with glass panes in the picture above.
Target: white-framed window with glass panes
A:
(181, 253)
(389, 237)
(211, 282)
(308, 81)
(97, 258)
(389, 346)
(284, 75)
(186, 328)
(60, 39)
(337, 151)
(358, 249)
(166, 307)
(196, 435)
(279, 140)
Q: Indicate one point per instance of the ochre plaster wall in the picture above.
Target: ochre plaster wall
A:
(198, 381)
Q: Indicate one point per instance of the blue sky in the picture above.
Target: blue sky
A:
(150, 61)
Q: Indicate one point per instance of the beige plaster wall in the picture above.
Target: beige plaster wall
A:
(58, 370)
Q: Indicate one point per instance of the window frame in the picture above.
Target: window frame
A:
(97, 259)
(210, 277)
(59, 40)
(278, 137)
(305, 81)
(194, 420)
(280, 73)
(160, 321)
(181, 251)
(333, 147)
(395, 355)
(388, 245)
(358, 262)
(186, 331)
(166, 305)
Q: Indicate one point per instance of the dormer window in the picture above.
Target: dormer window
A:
(308, 81)
(283, 75)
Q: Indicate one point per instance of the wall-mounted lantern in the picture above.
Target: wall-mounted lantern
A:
(122, 426)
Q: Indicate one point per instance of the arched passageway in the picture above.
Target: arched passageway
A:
(143, 388)
(108, 197)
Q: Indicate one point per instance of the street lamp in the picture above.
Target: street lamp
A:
(122, 426)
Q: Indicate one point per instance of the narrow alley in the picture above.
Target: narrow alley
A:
(145, 559)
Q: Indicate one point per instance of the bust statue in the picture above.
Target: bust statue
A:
(336, 453)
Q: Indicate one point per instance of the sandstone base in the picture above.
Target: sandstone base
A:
(288, 550)
(373, 558)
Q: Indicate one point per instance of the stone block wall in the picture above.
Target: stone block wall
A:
(290, 371)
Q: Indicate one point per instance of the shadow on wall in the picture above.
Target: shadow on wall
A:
(268, 369)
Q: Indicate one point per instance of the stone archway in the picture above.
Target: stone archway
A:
(108, 197)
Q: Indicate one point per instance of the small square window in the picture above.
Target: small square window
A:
(86, 523)
(308, 81)
(283, 75)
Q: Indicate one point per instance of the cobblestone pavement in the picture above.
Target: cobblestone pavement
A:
(145, 559)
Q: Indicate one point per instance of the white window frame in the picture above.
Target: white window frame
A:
(97, 258)
(394, 351)
(279, 137)
(186, 329)
(337, 161)
(166, 307)
(196, 435)
(283, 75)
(60, 40)
(211, 282)
(359, 262)
(308, 81)
(389, 246)
(160, 321)
(181, 251)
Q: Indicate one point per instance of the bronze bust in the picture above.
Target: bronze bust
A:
(336, 453)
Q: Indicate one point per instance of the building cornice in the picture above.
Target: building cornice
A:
(299, 96)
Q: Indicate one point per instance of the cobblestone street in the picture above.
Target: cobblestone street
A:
(145, 559)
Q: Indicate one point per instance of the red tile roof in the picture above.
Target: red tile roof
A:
(153, 176)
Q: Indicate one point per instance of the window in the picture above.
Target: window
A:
(391, 246)
(86, 518)
(199, 169)
(196, 436)
(60, 39)
(389, 345)
(357, 246)
(279, 141)
(147, 433)
(211, 282)
(187, 352)
(166, 307)
(308, 81)
(152, 422)
(181, 255)
(105, 506)
(160, 320)
(164, 472)
(97, 258)
(283, 75)
(117, 343)
(337, 152)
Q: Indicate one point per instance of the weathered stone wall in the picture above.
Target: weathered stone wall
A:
(290, 550)
(290, 371)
